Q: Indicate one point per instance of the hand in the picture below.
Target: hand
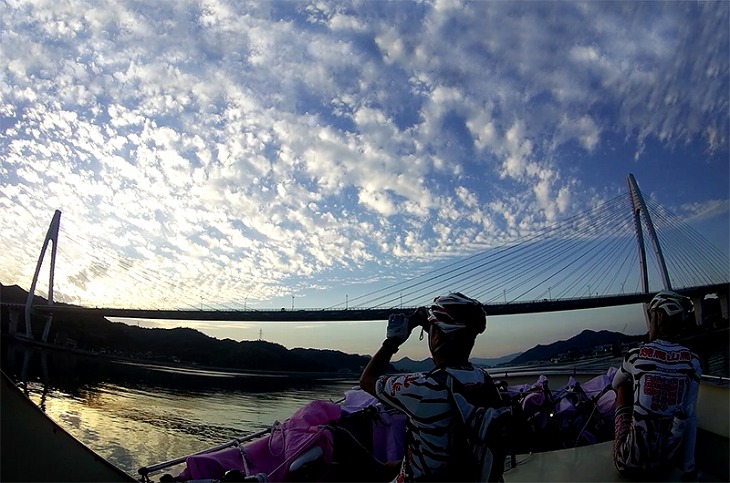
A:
(399, 328)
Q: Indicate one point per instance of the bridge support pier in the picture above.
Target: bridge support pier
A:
(14, 318)
(47, 328)
(698, 303)
(723, 304)
(713, 304)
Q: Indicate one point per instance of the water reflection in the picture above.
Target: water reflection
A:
(136, 415)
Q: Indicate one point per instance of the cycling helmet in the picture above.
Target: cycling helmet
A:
(455, 312)
(672, 304)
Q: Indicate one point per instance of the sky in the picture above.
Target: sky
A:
(271, 153)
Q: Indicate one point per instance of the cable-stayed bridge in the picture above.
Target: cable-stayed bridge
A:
(616, 253)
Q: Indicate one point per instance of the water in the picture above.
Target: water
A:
(137, 415)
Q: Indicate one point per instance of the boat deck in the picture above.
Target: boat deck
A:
(595, 463)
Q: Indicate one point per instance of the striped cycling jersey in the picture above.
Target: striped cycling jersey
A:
(431, 419)
(665, 378)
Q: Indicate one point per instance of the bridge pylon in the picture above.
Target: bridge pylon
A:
(640, 211)
(51, 236)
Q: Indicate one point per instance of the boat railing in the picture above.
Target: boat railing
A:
(575, 371)
(717, 380)
(524, 372)
(145, 471)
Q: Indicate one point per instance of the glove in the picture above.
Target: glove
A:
(398, 328)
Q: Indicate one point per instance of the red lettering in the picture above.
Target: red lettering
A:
(664, 391)
(649, 385)
(660, 355)
(646, 352)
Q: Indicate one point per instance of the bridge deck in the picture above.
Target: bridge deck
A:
(359, 314)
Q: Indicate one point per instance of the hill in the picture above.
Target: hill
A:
(183, 345)
(13, 294)
(494, 361)
(580, 345)
(409, 365)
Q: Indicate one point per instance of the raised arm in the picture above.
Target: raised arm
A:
(376, 367)
(399, 329)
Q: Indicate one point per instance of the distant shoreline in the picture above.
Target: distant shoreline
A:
(186, 369)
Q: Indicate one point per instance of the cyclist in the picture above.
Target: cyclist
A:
(656, 396)
(435, 438)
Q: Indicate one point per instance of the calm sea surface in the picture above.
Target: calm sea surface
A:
(136, 415)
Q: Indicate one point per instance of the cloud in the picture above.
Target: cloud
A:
(693, 212)
(255, 147)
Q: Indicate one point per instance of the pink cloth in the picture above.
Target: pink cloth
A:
(212, 465)
(274, 453)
